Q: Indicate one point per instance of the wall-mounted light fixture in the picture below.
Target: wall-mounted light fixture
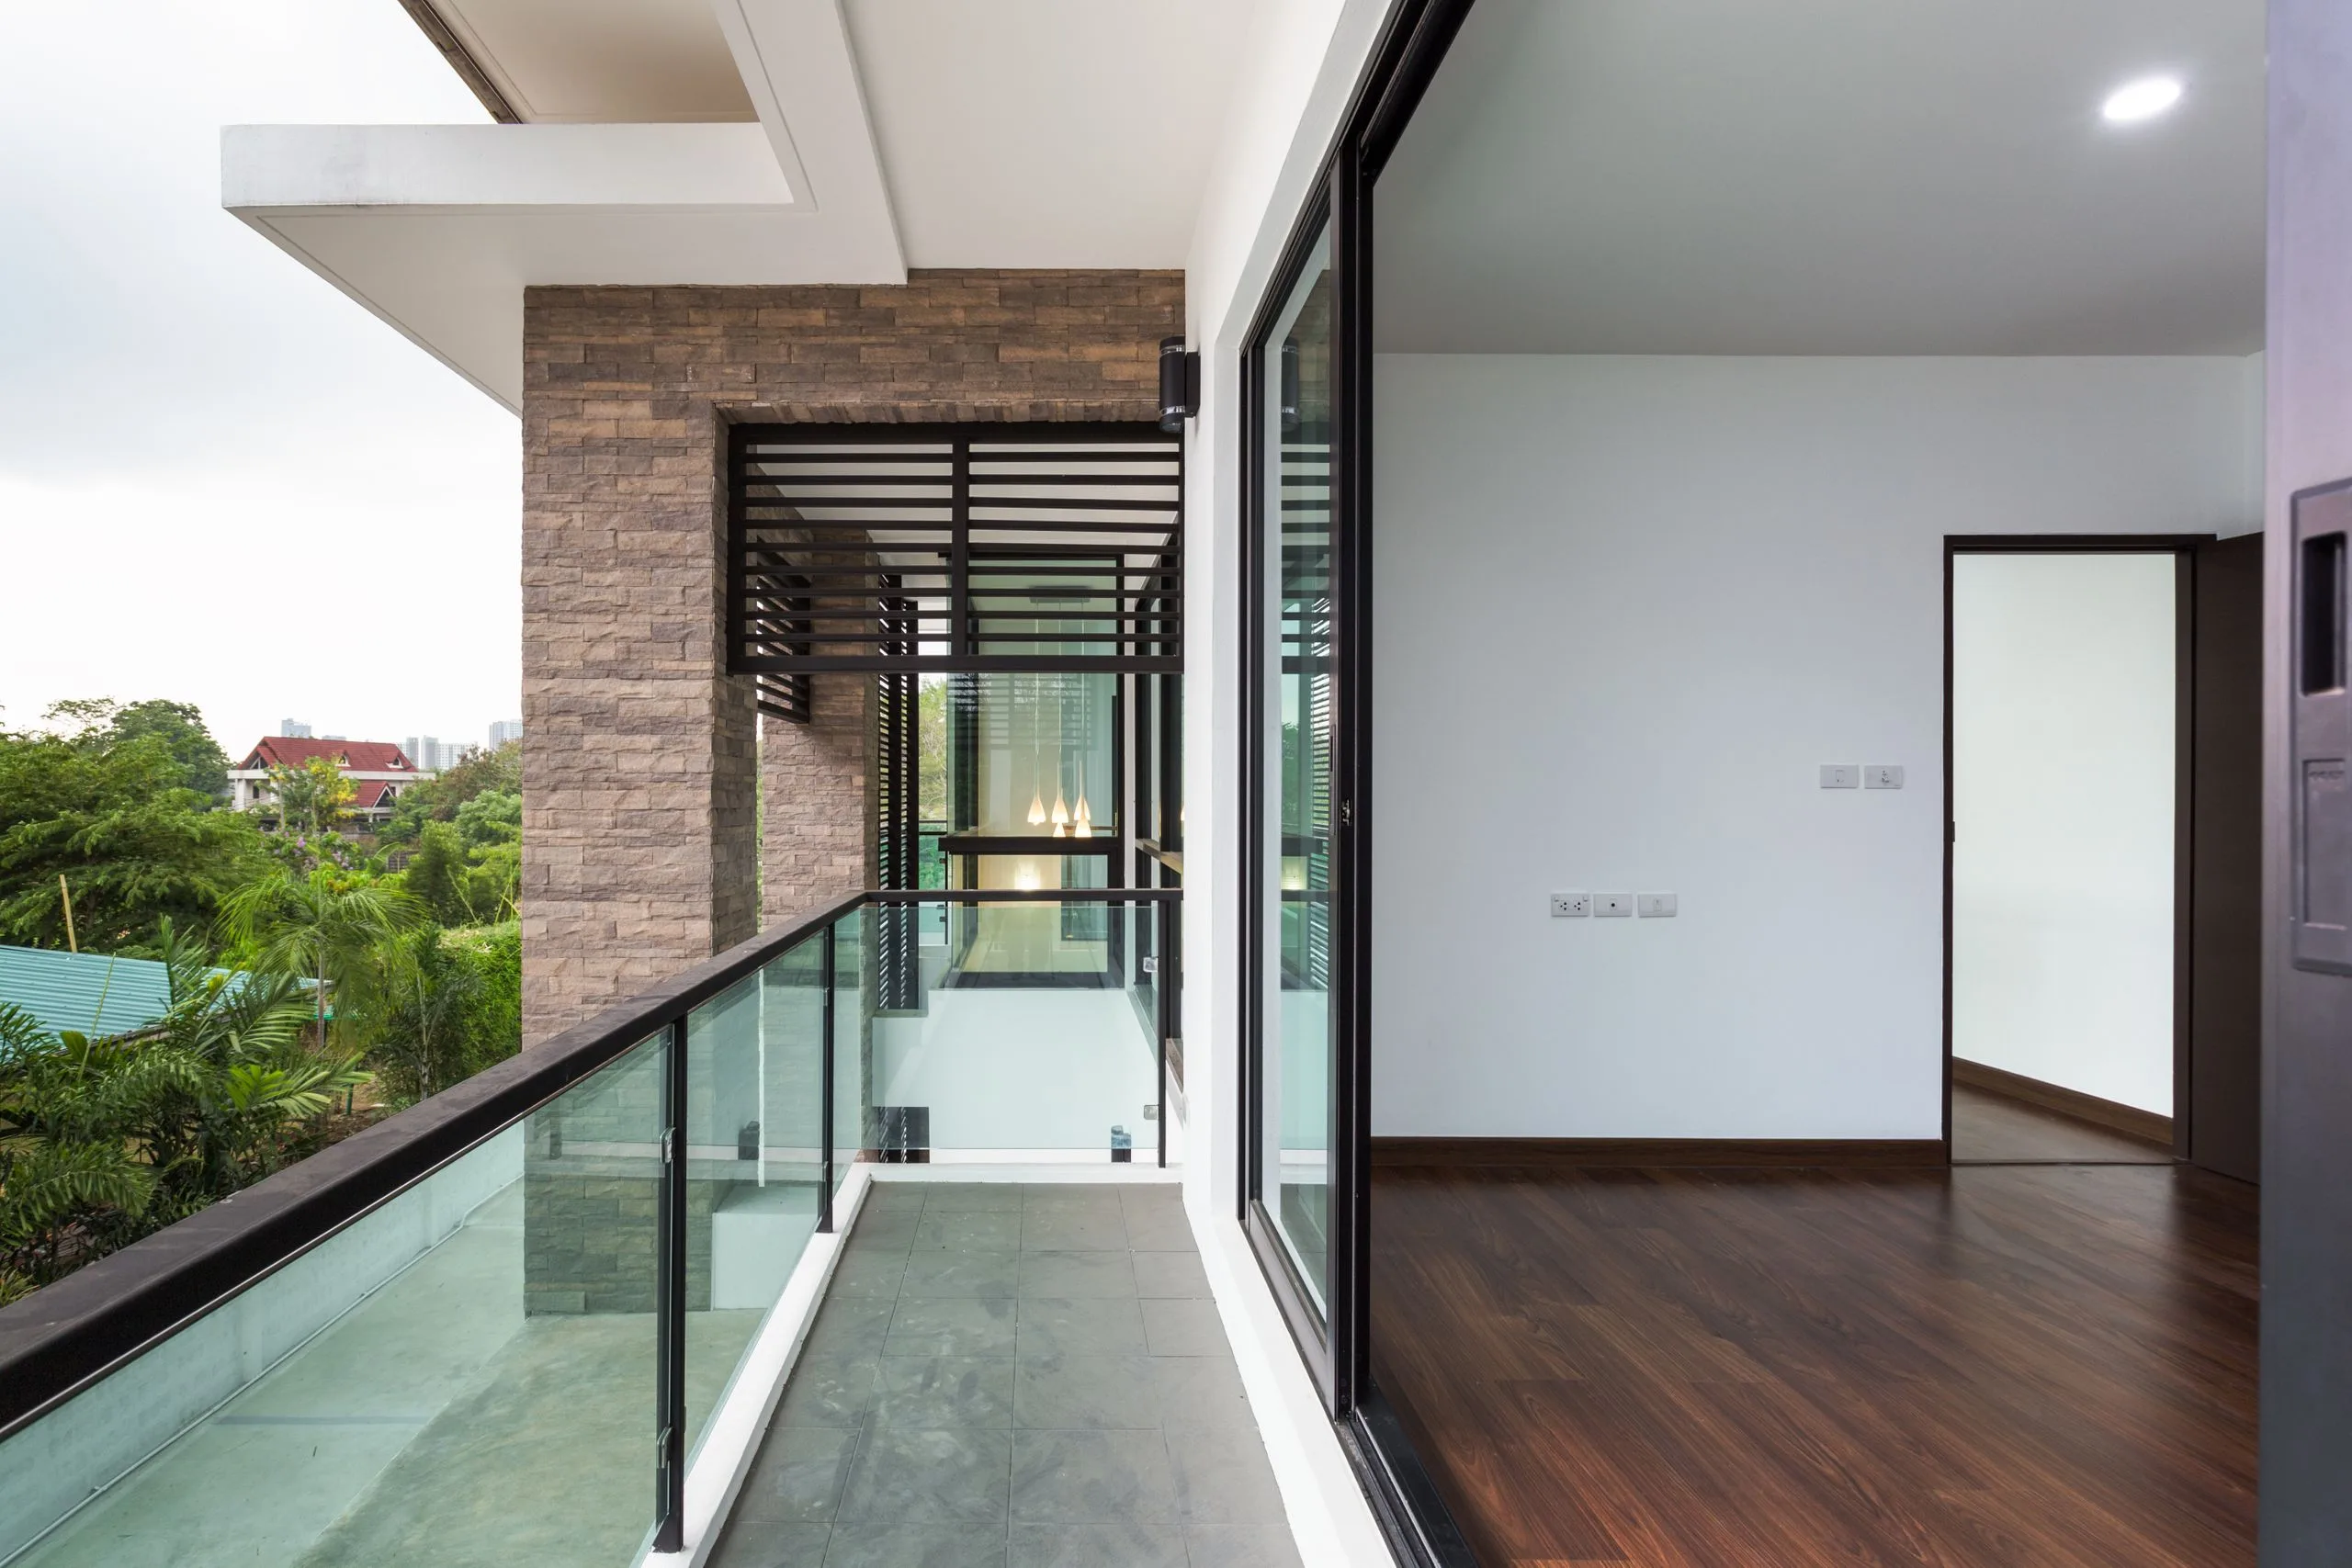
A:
(1180, 384)
(1289, 389)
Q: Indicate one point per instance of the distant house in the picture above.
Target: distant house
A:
(378, 772)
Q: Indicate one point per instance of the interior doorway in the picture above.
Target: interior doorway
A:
(2101, 909)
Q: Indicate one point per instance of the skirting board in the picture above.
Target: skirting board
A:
(2128, 1120)
(1879, 1154)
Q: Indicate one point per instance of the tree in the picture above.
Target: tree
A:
(311, 800)
(436, 874)
(101, 722)
(113, 817)
(439, 800)
(102, 1140)
(322, 925)
(494, 816)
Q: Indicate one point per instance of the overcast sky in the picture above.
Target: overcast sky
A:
(221, 482)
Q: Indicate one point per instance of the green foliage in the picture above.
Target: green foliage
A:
(113, 816)
(323, 925)
(101, 722)
(439, 800)
(104, 1140)
(494, 816)
(311, 800)
(451, 1006)
(930, 744)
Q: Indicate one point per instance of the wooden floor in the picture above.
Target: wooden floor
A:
(2025, 1366)
(1994, 1129)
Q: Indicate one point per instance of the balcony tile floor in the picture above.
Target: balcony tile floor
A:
(1014, 1377)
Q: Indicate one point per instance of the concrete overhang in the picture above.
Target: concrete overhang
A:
(437, 230)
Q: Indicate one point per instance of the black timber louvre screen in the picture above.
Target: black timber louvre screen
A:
(1038, 547)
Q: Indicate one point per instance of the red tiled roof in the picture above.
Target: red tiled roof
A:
(353, 756)
(368, 794)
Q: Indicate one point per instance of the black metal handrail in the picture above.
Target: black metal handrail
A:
(69, 1334)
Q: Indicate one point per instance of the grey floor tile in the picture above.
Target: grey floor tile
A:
(892, 1232)
(1097, 1546)
(797, 1476)
(915, 1546)
(1092, 1478)
(1183, 1325)
(1058, 1325)
(968, 1196)
(961, 1274)
(1068, 1392)
(1170, 1274)
(946, 1391)
(976, 1230)
(1158, 1226)
(853, 1325)
(890, 1197)
(1201, 1391)
(1088, 1226)
(1079, 1274)
(930, 1476)
(951, 1325)
(828, 1391)
(871, 1272)
(1220, 1480)
(751, 1543)
(1245, 1546)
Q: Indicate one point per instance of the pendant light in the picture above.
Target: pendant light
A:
(1061, 812)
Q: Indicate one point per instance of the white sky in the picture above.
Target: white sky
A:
(221, 482)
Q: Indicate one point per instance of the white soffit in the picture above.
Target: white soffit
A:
(1048, 134)
(602, 60)
(438, 229)
(1823, 176)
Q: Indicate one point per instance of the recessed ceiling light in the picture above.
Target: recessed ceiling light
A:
(2143, 99)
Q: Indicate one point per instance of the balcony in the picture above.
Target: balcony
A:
(748, 1270)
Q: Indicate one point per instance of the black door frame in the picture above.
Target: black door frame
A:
(1335, 1344)
(2183, 549)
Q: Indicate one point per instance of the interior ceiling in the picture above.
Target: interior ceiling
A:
(580, 62)
(1830, 177)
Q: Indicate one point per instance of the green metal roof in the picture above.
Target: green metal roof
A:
(87, 991)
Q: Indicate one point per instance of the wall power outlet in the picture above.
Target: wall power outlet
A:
(1571, 905)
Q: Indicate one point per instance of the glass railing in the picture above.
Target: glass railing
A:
(497, 1327)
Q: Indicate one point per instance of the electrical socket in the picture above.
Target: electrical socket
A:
(1881, 775)
(1841, 775)
(1613, 906)
(1656, 906)
(1571, 905)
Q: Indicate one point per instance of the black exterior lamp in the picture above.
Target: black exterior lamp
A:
(1180, 384)
(1291, 417)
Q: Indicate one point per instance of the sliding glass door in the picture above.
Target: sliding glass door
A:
(1292, 733)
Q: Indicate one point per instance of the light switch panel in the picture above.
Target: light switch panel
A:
(1654, 905)
(1841, 775)
(1881, 775)
(1613, 906)
(1571, 905)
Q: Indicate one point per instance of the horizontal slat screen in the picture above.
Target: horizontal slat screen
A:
(1021, 546)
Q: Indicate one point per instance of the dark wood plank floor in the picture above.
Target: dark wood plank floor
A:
(1991, 1367)
(1994, 1129)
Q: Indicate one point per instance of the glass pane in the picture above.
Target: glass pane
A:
(1295, 707)
(1042, 1060)
(755, 1137)
(464, 1375)
(1032, 753)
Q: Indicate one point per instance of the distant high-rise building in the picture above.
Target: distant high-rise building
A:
(293, 730)
(503, 730)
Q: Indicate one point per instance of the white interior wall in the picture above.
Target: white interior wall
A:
(1625, 609)
(2064, 771)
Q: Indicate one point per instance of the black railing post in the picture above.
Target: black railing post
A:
(669, 1304)
(825, 1079)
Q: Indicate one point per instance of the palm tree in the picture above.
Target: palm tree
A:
(316, 925)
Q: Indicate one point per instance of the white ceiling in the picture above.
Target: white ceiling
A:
(1830, 177)
(580, 62)
(1046, 133)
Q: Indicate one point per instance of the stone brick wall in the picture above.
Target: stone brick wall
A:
(639, 769)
